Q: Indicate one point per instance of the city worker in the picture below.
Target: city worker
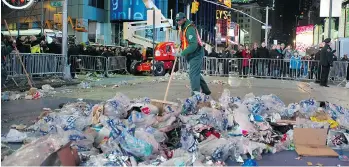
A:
(193, 51)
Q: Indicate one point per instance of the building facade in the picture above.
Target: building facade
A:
(91, 14)
(251, 27)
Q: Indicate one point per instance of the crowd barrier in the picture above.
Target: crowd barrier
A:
(294, 69)
(88, 63)
(37, 65)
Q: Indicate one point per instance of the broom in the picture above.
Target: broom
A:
(161, 103)
(32, 89)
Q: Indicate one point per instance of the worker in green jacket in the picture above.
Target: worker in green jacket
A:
(193, 51)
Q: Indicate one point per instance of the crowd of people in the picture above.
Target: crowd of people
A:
(279, 61)
(40, 44)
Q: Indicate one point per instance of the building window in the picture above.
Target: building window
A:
(248, 20)
(96, 3)
(247, 25)
(242, 26)
(100, 4)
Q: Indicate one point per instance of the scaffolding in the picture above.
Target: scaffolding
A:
(22, 18)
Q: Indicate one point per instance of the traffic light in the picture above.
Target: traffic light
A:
(194, 7)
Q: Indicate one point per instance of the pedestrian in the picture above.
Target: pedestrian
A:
(317, 63)
(246, 54)
(239, 57)
(326, 56)
(295, 65)
(193, 51)
(212, 61)
(287, 52)
(275, 55)
(254, 61)
(263, 54)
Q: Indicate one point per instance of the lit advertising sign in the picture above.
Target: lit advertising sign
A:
(129, 9)
(304, 37)
(223, 14)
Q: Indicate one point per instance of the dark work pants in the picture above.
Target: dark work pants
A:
(324, 75)
(196, 79)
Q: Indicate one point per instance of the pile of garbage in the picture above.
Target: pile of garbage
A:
(32, 94)
(198, 131)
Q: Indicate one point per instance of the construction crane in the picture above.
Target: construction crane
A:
(57, 20)
(163, 60)
(130, 28)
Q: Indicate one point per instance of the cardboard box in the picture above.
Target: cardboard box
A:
(312, 142)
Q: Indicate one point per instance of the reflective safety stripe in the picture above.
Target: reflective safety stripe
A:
(184, 40)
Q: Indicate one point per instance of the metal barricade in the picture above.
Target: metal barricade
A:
(116, 63)
(37, 65)
(339, 72)
(87, 63)
(183, 65)
(292, 69)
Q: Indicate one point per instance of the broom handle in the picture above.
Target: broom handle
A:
(169, 82)
(17, 54)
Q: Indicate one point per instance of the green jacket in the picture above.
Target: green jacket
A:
(192, 39)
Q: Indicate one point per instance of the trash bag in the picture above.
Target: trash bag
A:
(241, 117)
(14, 136)
(188, 141)
(117, 107)
(135, 146)
(141, 134)
(109, 146)
(308, 107)
(47, 88)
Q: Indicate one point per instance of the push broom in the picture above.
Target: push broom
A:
(161, 103)
(32, 89)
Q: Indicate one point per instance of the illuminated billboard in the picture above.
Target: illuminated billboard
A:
(304, 37)
(130, 9)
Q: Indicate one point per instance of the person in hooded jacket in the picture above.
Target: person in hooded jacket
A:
(295, 65)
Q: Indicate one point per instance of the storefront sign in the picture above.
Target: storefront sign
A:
(223, 14)
(56, 4)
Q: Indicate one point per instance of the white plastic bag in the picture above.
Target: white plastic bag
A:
(14, 136)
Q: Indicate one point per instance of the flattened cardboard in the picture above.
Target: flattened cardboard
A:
(312, 142)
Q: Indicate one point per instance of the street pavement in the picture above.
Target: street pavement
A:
(26, 111)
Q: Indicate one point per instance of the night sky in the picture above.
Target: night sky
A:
(291, 8)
